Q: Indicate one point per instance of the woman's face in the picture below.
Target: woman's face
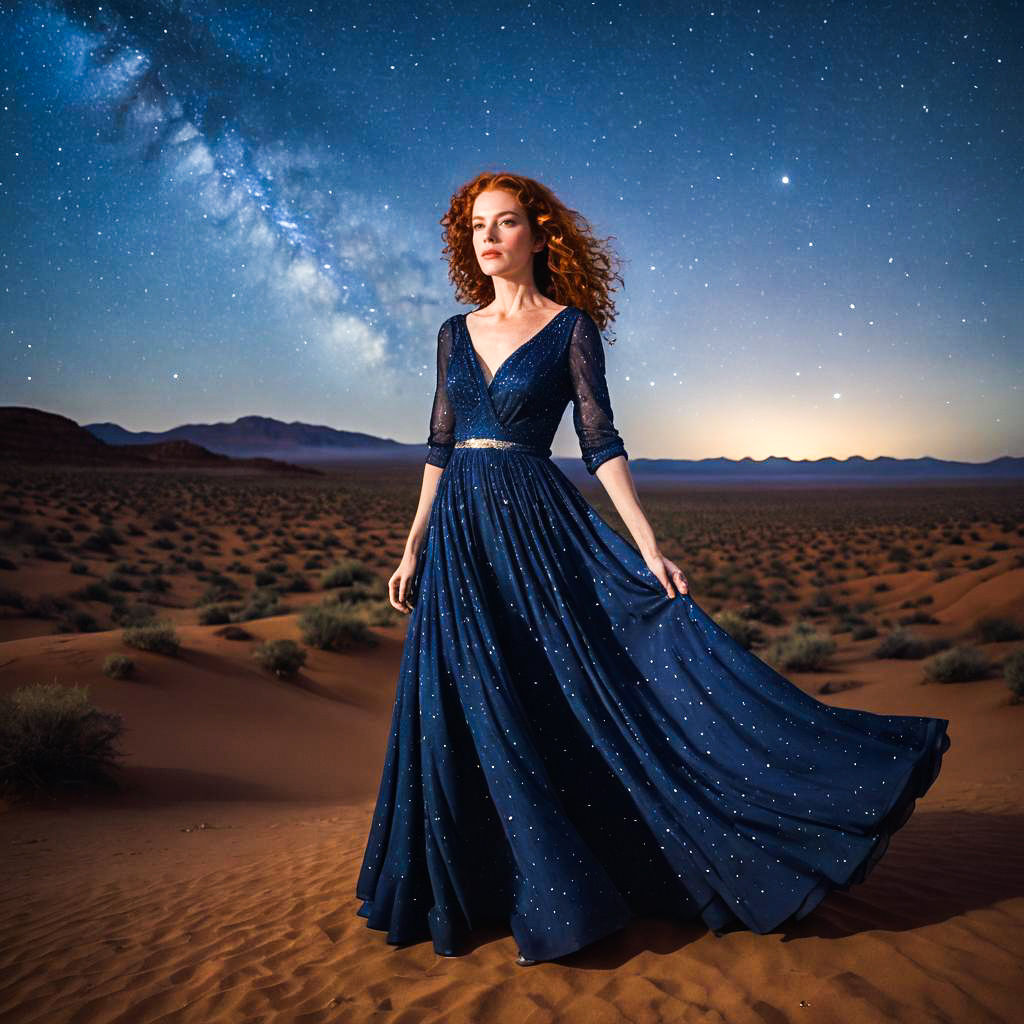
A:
(500, 226)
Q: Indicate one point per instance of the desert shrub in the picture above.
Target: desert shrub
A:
(103, 539)
(297, 584)
(216, 614)
(851, 620)
(261, 605)
(839, 685)
(97, 590)
(48, 606)
(157, 637)
(50, 735)
(379, 612)
(346, 572)
(864, 632)
(994, 629)
(221, 588)
(812, 611)
(333, 628)
(154, 584)
(77, 620)
(358, 593)
(25, 532)
(136, 614)
(903, 645)
(234, 632)
(48, 553)
(981, 563)
(918, 617)
(1013, 673)
(283, 657)
(118, 666)
(264, 578)
(803, 650)
(768, 613)
(743, 631)
(118, 581)
(961, 664)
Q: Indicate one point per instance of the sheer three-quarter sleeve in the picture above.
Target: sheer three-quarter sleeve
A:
(441, 439)
(592, 409)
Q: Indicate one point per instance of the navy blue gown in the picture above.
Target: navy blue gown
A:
(569, 746)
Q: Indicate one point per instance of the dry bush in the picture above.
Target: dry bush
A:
(51, 736)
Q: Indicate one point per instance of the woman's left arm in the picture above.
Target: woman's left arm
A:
(617, 480)
(602, 448)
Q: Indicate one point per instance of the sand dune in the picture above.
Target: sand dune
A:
(220, 885)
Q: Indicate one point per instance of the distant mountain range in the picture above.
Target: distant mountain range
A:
(38, 438)
(856, 467)
(260, 442)
(260, 436)
(301, 442)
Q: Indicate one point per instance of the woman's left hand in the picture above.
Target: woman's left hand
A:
(668, 573)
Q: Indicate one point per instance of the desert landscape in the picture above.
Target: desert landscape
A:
(232, 630)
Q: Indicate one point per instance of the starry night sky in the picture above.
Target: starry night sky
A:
(215, 210)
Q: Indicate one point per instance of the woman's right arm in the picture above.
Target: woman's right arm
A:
(418, 530)
(440, 443)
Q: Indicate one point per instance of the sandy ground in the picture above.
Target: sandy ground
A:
(218, 884)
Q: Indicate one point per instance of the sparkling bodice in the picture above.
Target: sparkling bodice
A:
(525, 400)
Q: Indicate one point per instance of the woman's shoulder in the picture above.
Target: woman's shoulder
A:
(584, 324)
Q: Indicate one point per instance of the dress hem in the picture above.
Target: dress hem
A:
(721, 919)
(916, 783)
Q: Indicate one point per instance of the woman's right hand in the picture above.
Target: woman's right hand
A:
(400, 584)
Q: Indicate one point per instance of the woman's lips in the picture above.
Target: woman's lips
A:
(491, 255)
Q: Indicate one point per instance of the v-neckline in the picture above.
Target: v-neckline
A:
(475, 359)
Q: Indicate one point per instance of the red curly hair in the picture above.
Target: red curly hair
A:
(574, 268)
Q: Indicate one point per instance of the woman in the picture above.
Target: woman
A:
(574, 740)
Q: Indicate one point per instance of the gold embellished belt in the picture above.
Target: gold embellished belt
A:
(493, 442)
